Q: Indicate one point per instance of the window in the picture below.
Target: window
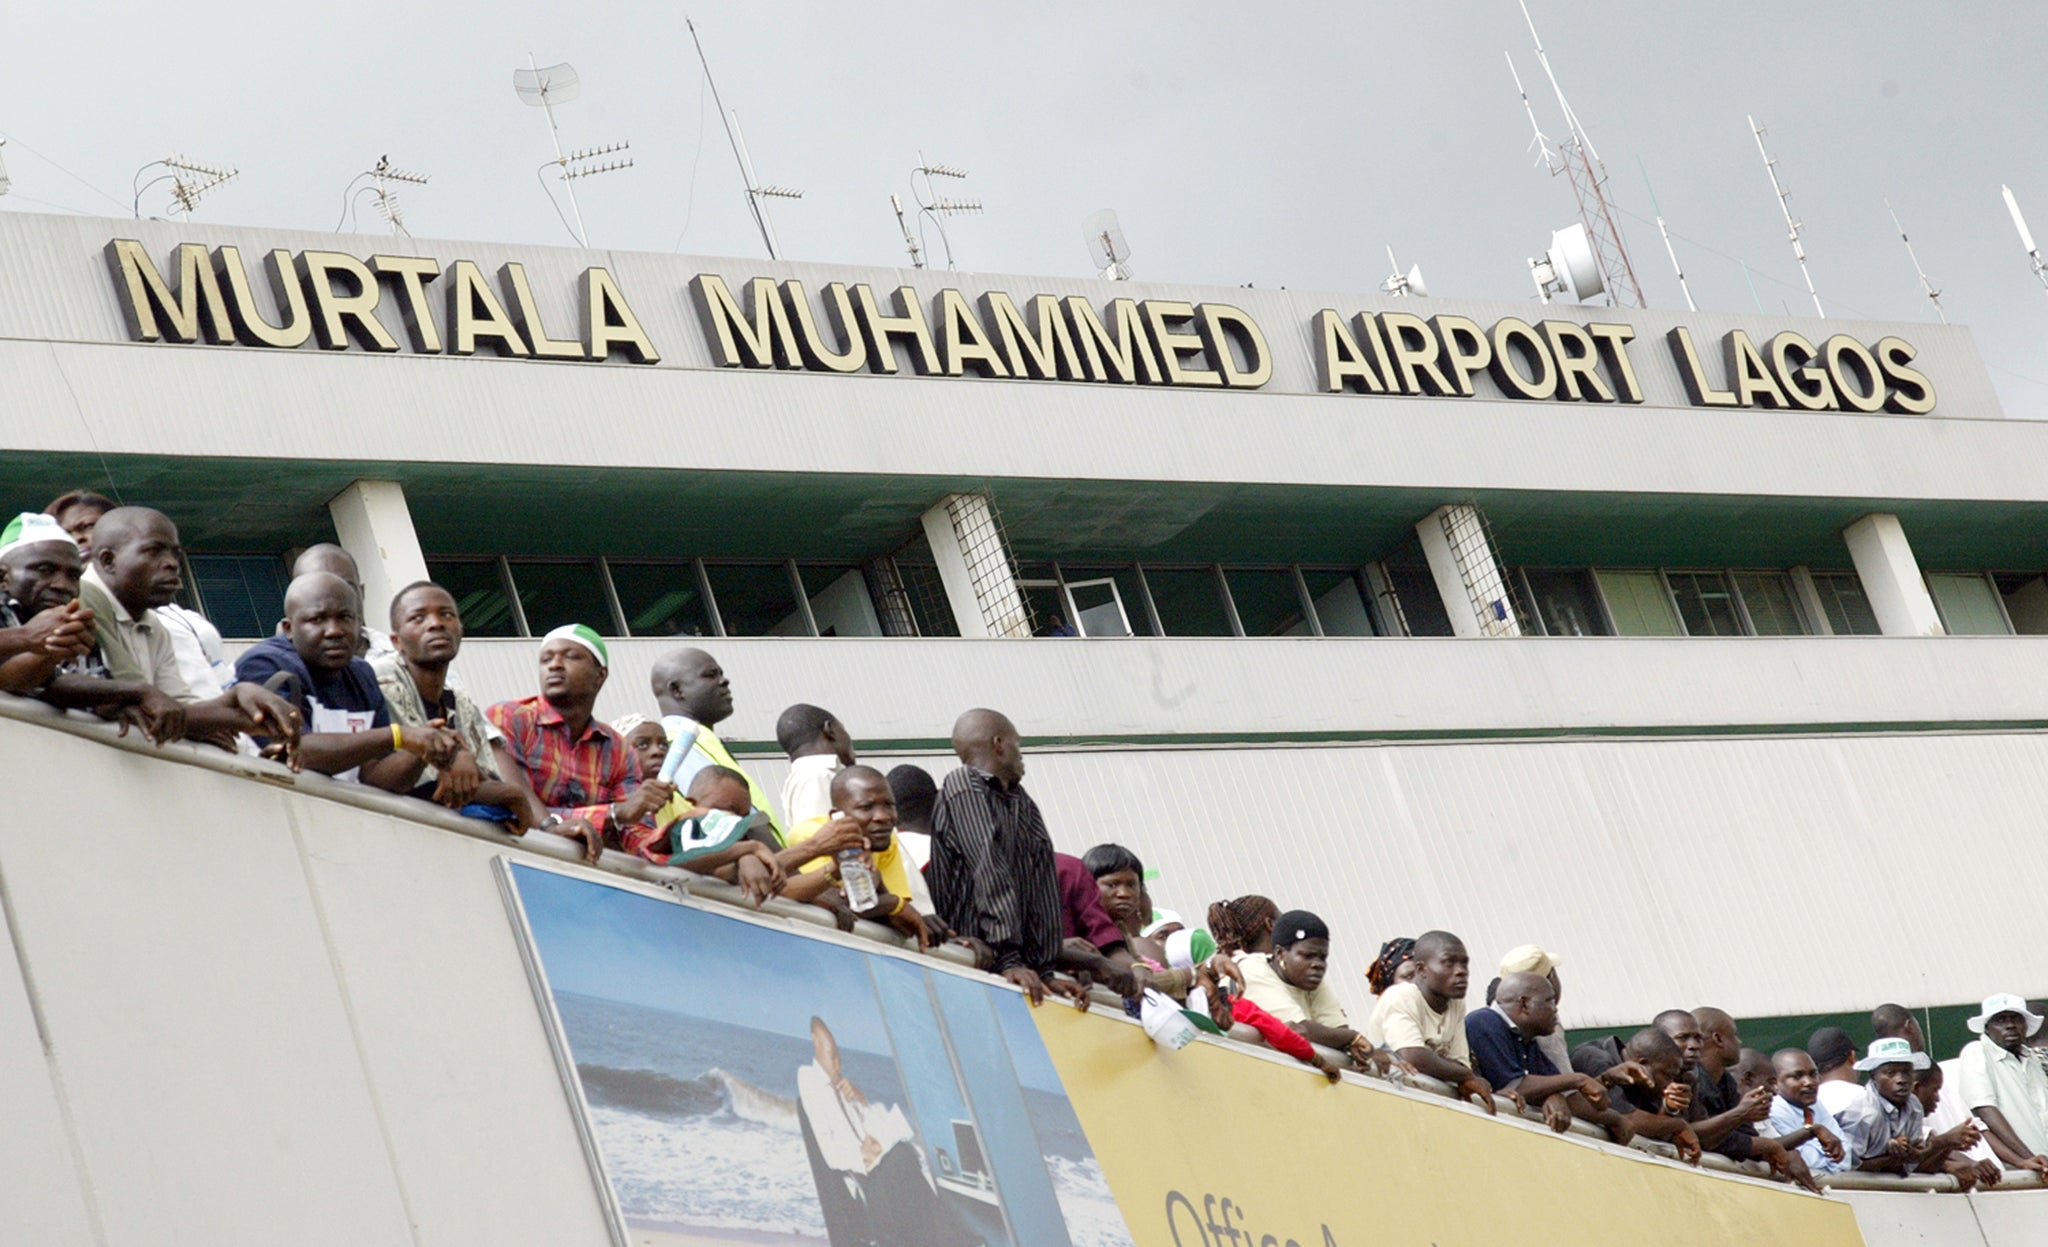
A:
(1415, 590)
(1768, 599)
(1968, 604)
(840, 601)
(479, 593)
(1339, 594)
(1705, 603)
(755, 599)
(1107, 600)
(1567, 602)
(1638, 603)
(929, 605)
(2026, 601)
(552, 594)
(1189, 601)
(1268, 603)
(1843, 601)
(242, 594)
(661, 599)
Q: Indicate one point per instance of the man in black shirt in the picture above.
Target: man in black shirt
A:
(992, 874)
(1718, 1100)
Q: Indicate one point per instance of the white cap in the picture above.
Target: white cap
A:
(1164, 1022)
(1892, 1051)
(32, 528)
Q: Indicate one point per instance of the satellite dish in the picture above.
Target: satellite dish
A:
(1107, 246)
(555, 84)
(1416, 286)
(1569, 267)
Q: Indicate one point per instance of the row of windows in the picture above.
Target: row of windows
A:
(499, 597)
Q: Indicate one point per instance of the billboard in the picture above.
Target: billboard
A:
(742, 1084)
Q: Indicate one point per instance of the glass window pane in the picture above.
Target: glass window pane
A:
(2026, 601)
(1968, 603)
(1267, 602)
(1339, 595)
(1567, 602)
(553, 594)
(661, 599)
(928, 602)
(755, 599)
(1096, 598)
(1704, 603)
(1768, 598)
(1848, 609)
(1421, 605)
(479, 594)
(243, 593)
(1188, 601)
(840, 600)
(1638, 603)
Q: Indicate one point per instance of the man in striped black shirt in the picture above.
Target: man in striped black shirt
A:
(992, 874)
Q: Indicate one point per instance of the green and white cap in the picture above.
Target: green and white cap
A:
(1892, 1051)
(32, 528)
(584, 635)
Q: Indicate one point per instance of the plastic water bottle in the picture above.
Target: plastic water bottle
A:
(858, 879)
(682, 737)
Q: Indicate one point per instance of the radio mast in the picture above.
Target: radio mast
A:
(1933, 295)
(1658, 212)
(1580, 162)
(1792, 227)
(756, 193)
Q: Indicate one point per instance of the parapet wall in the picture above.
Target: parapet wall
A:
(244, 1008)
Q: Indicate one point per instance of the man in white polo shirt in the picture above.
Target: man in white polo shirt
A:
(2004, 1086)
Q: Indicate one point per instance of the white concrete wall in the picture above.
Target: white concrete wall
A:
(1994, 1218)
(897, 689)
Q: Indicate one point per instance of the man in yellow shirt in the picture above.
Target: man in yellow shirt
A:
(689, 683)
(863, 817)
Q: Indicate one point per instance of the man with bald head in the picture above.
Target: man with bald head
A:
(1798, 1120)
(349, 732)
(1725, 1116)
(689, 684)
(992, 875)
(1505, 1038)
(862, 818)
(371, 645)
(134, 570)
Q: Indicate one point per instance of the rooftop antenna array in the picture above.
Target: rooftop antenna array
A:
(1669, 250)
(931, 204)
(1402, 285)
(1106, 244)
(2026, 236)
(543, 89)
(1580, 162)
(190, 181)
(1792, 227)
(1933, 295)
(381, 175)
(757, 194)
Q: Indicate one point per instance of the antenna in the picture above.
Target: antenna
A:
(1690, 306)
(189, 181)
(543, 89)
(1569, 267)
(1106, 243)
(2026, 236)
(5, 182)
(1581, 164)
(755, 191)
(1401, 286)
(931, 204)
(1792, 227)
(1933, 295)
(909, 239)
(380, 175)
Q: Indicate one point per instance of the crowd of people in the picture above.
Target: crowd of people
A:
(88, 621)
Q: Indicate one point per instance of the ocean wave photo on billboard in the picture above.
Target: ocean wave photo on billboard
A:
(745, 1085)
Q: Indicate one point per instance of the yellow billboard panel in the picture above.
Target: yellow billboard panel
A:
(1205, 1147)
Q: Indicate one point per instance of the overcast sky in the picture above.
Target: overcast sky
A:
(1278, 144)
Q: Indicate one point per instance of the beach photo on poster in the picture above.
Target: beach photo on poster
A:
(750, 1086)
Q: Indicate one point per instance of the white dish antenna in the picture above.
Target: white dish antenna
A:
(1569, 267)
(542, 87)
(1401, 285)
(1107, 246)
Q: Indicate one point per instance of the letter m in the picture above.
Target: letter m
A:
(765, 341)
(194, 306)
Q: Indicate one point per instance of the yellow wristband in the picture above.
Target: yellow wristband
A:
(901, 901)
(397, 739)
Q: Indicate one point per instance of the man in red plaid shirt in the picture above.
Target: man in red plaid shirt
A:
(584, 772)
